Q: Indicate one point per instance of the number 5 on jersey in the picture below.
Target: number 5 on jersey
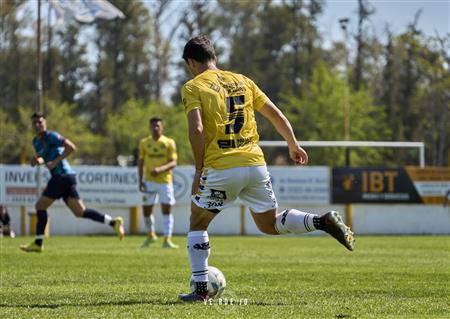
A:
(235, 114)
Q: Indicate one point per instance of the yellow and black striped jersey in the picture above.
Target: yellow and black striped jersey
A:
(156, 153)
(227, 102)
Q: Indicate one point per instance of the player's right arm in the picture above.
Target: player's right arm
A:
(284, 128)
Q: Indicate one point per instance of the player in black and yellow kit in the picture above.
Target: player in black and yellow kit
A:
(157, 158)
(220, 108)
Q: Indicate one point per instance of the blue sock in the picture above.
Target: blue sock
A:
(94, 215)
(40, 226)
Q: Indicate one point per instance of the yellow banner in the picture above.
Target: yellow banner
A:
(432, 183)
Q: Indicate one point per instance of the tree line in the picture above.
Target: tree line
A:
(103, 81)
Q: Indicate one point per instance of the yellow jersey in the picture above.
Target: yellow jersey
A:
(227, 102)
(156, 153)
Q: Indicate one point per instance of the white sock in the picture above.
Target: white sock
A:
(199, 250)
(168, 225)
(150, 223)
(108, 219)
(294, 221)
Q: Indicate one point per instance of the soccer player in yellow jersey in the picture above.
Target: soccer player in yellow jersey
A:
(157, 158)
(220, 108)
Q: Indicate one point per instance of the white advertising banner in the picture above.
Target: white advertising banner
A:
(115, 186)
(110, 186)
(97, 185)
(302, 185)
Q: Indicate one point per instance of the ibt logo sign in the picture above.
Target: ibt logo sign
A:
(378, 181)
(373, 185)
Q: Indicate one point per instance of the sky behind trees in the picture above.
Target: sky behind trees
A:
(435, 16)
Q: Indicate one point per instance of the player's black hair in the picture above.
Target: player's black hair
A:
(200, 49)
(37, 115)
(155, 119)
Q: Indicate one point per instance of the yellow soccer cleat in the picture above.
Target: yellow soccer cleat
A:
(119, 228)
(32, 248)
(169, 244)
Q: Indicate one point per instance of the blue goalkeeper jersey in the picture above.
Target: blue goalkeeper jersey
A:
(49, 146)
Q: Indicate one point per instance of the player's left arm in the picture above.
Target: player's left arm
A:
(69, 147)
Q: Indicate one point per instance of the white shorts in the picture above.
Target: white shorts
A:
(157, 192)
(220, 188)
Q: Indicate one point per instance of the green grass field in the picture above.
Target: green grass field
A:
(290, 277)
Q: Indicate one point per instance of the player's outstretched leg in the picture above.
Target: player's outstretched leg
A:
(117, 223)
(297, 222)
(78, 208)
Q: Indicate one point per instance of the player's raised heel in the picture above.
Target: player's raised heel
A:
(193, 297)
(336, 228)
(119, 228)
(32, 248)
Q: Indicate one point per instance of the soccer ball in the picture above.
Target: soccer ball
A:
(216, 282)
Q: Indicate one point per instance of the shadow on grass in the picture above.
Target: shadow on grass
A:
(94, 304)
(124, 303)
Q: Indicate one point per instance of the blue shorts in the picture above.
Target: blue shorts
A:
(62, 186)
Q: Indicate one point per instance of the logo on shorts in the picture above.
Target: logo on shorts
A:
(216, 198)
(217, 194)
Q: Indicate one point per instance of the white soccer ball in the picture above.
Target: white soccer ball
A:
(216, 282)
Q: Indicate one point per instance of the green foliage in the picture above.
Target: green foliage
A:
(319, 115)
(61, 118)
(9, 133)
(414, 93)
(280, 277)
(400, 87)
(277, 44)
(17, 60)
(131, 123)
(91, 148)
